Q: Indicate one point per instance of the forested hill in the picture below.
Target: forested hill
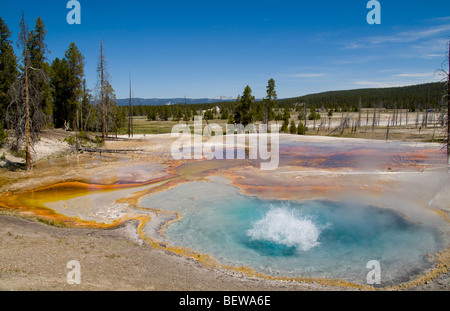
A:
(169, 101)
(414, 96)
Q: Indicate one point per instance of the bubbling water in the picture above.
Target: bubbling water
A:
(286, 226)
(316, 238)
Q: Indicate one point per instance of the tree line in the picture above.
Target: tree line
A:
(414, 98)
(35, 93)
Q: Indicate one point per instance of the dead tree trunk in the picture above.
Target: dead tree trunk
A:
(387, 130)
(130, 116)
(374, 118)
(23, 41)
(448, 109)
(367, 120)
(28, 127)
(102, 77)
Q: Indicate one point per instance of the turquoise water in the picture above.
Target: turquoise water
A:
(312, 238)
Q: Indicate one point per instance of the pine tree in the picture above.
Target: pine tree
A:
(243, 109)
(102, 76)
(75, 62)
(8, 67)
(112, 123)
(37, 49)
(269, 101)
(59, 77)
(293, 128)
(86, 108)
(301, 129)
(285, 118)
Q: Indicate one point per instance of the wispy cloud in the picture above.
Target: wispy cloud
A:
(307, 75)
(395, 81)
(376, 84)
(410, 36)
(422, 38)
(438, 19)
(416, 75)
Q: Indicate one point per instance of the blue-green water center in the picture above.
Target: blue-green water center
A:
(317, 238)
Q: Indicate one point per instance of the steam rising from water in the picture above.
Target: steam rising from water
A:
(287, 227)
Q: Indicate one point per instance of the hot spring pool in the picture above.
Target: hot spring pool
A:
(316, 238)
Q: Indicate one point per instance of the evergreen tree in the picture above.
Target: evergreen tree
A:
(59, 77)
(293, 128)
(112, 122)
(8, 67)
(269, 101)
(86, 109)
(208, 115)
(243, 109)
(66, 80)
(75, 62)
(301, 129)
(286, 117)
(151, 114)
(224, 115)
(187, 114)
(37, 49)
(314, 115)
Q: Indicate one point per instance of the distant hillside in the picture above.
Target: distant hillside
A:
(412, 97)
(418, 96)
(171, 101)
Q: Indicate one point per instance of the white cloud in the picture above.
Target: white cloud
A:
(307, 75)
(429, 41)
(434, 55)
(376, 84)
(415, 75)
(410, 36)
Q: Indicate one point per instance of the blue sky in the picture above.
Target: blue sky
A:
(209, 48)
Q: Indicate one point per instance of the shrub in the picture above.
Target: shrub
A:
(301, 129)
(292, 128)
(314, 115)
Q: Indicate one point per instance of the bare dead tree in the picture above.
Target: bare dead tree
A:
(130, 116)
(102, 76)
(367, 120)
(448, 108)
(417, 118)
(23, 113)
(387, 129)
(374, 117)
(446, 79)
(345, 121)
(406, 116)
(359, 112)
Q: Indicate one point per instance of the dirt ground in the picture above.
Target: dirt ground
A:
(116, 259)
(113, 259)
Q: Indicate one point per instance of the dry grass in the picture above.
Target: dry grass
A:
(402, 132)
